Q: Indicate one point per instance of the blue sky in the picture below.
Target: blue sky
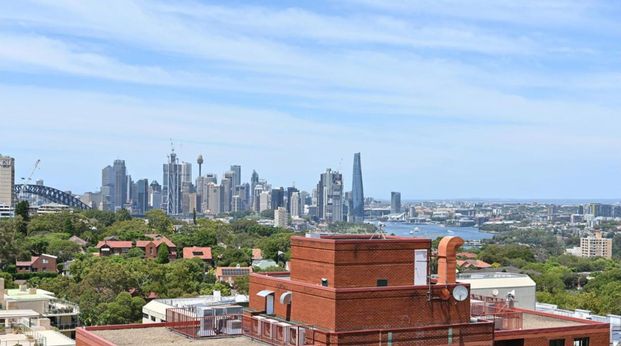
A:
(444, 98)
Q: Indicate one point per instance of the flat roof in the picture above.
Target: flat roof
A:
(18, 313)
(496, 279)
(54, 338)
(163, 335)
(16, 294)
(534, 321)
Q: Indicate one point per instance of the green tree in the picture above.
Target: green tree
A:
(159, 221)
(162, 254)
(242, 284)
(135, 252)
(267, 214)
(22, 209)
(122, 215)
(10, 237)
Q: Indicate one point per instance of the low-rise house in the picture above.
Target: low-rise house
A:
(473, 264)
(113, 247)
(83, 243)
(204, 253)
(37, 264)
(151, 247)
(229, 274)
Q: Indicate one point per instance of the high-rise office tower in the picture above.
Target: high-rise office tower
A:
(171, 191)
(186, 172)
(131, 192)
(290, 191)
(330, 196)
(357, 192)
(254, 180)
(236, 169)
(120, 184)
(7, 180)
(280, 217)
(142, 196)
(395, 202)
(264, 201)
(155, 195)
(214, 205)
(107, 188)
(295, 205)
(227, 192)
(188, 198)
(278, 198)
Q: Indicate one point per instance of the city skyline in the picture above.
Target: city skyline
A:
(444, 99)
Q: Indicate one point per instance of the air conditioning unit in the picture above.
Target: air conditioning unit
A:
(233, 327)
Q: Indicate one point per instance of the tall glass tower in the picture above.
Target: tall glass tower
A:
(357, 191)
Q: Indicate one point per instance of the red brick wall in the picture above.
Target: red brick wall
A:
(368, 308)
(50, 266)
(354, 263)
(599, 335)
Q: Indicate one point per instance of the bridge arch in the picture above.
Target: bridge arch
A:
(51, 194)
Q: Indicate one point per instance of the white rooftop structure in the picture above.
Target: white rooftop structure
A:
(501, 284)
(155, 310)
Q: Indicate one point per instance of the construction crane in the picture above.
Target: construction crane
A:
(26, 181)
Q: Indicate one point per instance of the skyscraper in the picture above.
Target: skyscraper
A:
(290, 191)
(295, 204)
(171, 191)
(236, 169)
(120, 184)
(330, 196)
(278, 198)
(155, 195)
(142, 196)
(186, 172)
(227, 191)
(395, 202)
(280, 217)
(254, 180)
(357, 192)
(7, 180)
(214, 205)
(107, 188)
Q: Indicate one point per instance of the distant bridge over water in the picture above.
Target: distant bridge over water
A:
(51, 194)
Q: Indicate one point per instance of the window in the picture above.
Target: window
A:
(45, 261)
(324, 282)
(145, 316)
(382, 282)
(581, 342)
(557, 342)
(153, 318)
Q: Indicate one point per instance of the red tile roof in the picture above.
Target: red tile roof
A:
(114, 244)
(197, 252)
(467, 255)
(157, 240)
(473, 263)
(27, 263)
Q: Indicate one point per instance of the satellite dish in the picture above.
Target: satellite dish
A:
(495, 292)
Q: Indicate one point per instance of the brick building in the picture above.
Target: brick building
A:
(150, 247)
(42, 263)
(363, 290)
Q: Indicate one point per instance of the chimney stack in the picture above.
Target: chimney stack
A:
(447, 260)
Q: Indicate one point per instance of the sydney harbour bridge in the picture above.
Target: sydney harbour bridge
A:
(51, 194)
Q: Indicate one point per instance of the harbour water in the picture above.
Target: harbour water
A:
(433, 231)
